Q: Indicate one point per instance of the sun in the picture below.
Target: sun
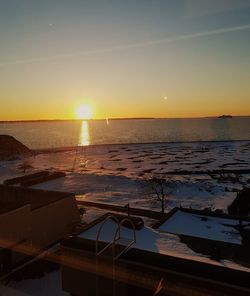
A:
(84, 112)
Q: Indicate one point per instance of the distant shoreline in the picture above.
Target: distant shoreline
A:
(72, 120)
(104, 119)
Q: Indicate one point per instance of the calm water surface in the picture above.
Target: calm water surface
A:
(38, 135)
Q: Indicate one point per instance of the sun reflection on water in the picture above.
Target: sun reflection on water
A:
(84, 134)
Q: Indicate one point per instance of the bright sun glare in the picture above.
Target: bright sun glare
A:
(84, 112)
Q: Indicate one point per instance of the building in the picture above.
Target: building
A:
(112, 258)
(216, 235)
(31, 220)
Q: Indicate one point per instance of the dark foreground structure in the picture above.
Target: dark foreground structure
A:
(107, 260)
(32, 220)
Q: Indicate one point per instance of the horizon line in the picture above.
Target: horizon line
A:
(116, 118)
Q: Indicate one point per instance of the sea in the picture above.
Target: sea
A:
(53, 134)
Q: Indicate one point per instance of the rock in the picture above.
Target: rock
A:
(241, 204)
(10, 148)
(218, 211)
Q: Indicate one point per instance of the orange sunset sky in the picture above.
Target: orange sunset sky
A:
(144, 58)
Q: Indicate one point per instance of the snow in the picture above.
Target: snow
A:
(152, 240)
(146, 238)
(133, 160)
(113, 174)
(9, 169)
(50, 284)
(202, 226)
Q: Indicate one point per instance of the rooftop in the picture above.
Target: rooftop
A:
(154, 249)
(202, 226)
(14, 197)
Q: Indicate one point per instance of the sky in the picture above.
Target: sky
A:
(124, 58)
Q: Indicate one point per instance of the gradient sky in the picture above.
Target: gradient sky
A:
(124, 58)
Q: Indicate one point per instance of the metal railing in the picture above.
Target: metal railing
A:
(117, 237)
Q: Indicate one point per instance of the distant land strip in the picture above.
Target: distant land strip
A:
(118, 118)
(63, 120)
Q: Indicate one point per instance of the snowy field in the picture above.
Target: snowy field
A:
(115, 173)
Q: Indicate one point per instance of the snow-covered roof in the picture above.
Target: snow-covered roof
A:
(147, 239)
(206, 227)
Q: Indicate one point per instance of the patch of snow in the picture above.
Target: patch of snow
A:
(213, 228)
(50, 284)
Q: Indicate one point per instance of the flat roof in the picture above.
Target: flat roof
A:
(37, 198)
(203, 226)
(147, 239)
(159, 250)
(158, 242)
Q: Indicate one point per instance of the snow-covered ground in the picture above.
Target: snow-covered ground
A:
(115, 174)
(49, 284)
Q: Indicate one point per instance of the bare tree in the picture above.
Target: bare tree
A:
(160, 188)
